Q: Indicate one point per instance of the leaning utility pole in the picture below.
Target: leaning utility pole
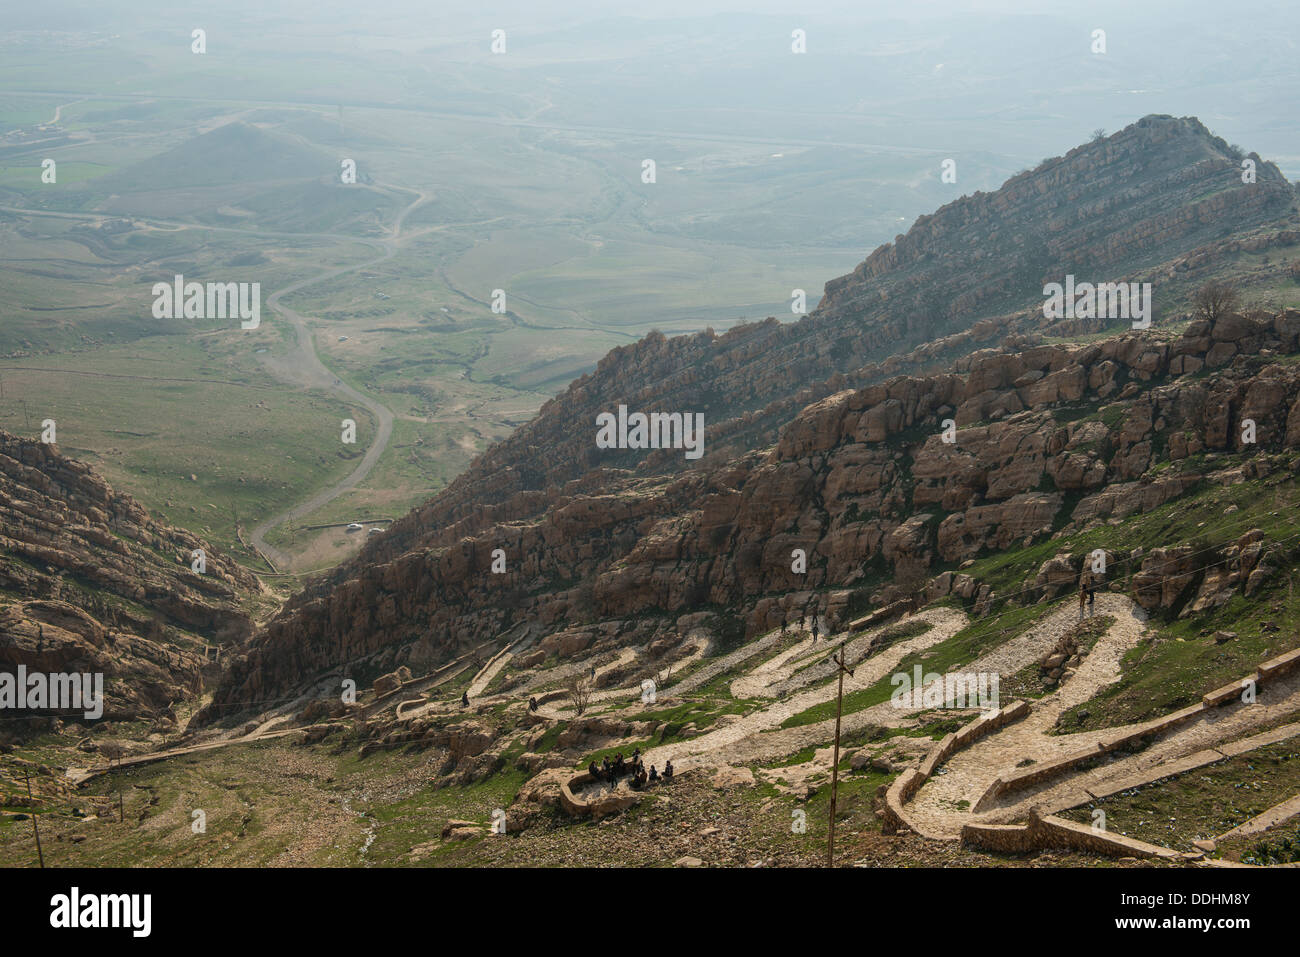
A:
(35, 828)
(835, 759)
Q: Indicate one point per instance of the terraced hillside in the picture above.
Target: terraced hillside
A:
(1056, 439)
(411, 775)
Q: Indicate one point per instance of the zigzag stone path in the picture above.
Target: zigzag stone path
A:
(1212, 736)
(758, 736)
(968, 774)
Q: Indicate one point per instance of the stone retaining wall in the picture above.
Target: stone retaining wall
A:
(604, 804)
(1043, 832)
(1021, 780)
(905, 786)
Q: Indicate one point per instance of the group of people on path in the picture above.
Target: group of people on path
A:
(612, 771)
(803, 622)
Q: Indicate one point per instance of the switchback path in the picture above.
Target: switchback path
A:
(760, 737)
(937, 807)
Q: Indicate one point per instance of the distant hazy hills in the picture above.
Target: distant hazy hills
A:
(236, 153)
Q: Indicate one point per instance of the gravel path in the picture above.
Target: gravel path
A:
(758, 736)
(936, 810)
(692, 681)
(758, 683)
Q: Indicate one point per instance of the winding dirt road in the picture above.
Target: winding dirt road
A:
(302, 364)
(308, 368)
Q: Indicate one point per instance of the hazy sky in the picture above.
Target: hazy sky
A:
(1021, 68)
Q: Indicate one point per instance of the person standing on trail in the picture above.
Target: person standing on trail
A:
(784, 623)
(816, 630)
(532, 704)
(1092, 596)
(464, 699)
(1083, 595)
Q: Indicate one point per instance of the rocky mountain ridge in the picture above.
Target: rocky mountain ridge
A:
(1160, 201)
(90, 582)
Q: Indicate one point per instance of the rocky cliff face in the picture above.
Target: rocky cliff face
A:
(1047, 438)
(1159, 201)
(89, 582)
(825, 435)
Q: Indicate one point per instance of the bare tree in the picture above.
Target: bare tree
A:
(1216, 298)
(112, 750)
(579, 693)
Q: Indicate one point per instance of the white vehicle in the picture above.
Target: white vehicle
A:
(354, 527)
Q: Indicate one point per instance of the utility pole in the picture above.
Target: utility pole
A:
(35, 827)
(835, 760)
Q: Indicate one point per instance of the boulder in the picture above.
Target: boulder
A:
(454, 824)
(730, 777)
